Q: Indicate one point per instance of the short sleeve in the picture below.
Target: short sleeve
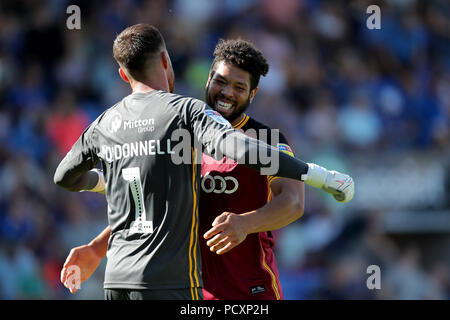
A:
(82, 157)
(282, 146)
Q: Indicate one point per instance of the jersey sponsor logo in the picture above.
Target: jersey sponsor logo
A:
(115, 122)
(217, 117)
(142, 125)
(219, 184)
(285, 148)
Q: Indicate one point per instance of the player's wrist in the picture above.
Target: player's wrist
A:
(247, 222)
(316, 176)
(98, 248)
(100, 243)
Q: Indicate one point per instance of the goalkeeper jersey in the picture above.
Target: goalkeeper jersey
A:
(249, 270)
(152, 197)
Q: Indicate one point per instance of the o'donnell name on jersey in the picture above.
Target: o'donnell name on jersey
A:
(135, 149)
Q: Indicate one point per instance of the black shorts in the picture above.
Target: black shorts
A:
(169, 294)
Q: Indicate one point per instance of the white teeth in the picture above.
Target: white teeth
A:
(224, 105)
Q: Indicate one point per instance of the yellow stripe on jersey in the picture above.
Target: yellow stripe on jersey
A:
(196, 223)
(242, 123)
(272, 275)
(269, 181)
(194, 232)
(269, 193)
(271, 178)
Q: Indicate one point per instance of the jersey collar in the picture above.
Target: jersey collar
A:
(241, 123)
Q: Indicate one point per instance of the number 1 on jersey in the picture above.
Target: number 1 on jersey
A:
(140, 224)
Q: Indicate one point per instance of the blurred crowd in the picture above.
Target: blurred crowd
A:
(334, 87)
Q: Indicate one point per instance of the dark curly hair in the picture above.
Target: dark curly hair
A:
(243, 54)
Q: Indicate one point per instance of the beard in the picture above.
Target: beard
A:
(237, 112)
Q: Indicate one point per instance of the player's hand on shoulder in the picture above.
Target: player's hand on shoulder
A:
(228, 230)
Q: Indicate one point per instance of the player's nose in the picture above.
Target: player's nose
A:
(227, 92)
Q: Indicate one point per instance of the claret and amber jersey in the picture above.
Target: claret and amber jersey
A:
(248, 271)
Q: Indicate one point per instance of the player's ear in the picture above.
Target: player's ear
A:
(253, 93)
(209, 79)
(123, 75)
(165, 59)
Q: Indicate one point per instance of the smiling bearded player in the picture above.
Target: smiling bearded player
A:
(235, 200)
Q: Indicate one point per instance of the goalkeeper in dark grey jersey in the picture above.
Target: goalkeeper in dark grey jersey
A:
(149, 146)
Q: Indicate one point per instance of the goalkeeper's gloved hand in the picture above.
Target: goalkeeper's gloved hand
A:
(340, 185)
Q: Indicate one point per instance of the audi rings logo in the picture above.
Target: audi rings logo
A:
(219, 184)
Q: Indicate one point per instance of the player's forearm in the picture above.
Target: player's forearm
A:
(74, 181)
(258, 155)
(100, 243)
(91, 180)
(279, 212)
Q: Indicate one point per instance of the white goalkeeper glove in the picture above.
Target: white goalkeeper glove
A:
(340, 185)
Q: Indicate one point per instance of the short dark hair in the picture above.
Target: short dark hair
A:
(135, 46)
(243, 54)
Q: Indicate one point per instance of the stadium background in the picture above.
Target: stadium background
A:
(373, 103)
